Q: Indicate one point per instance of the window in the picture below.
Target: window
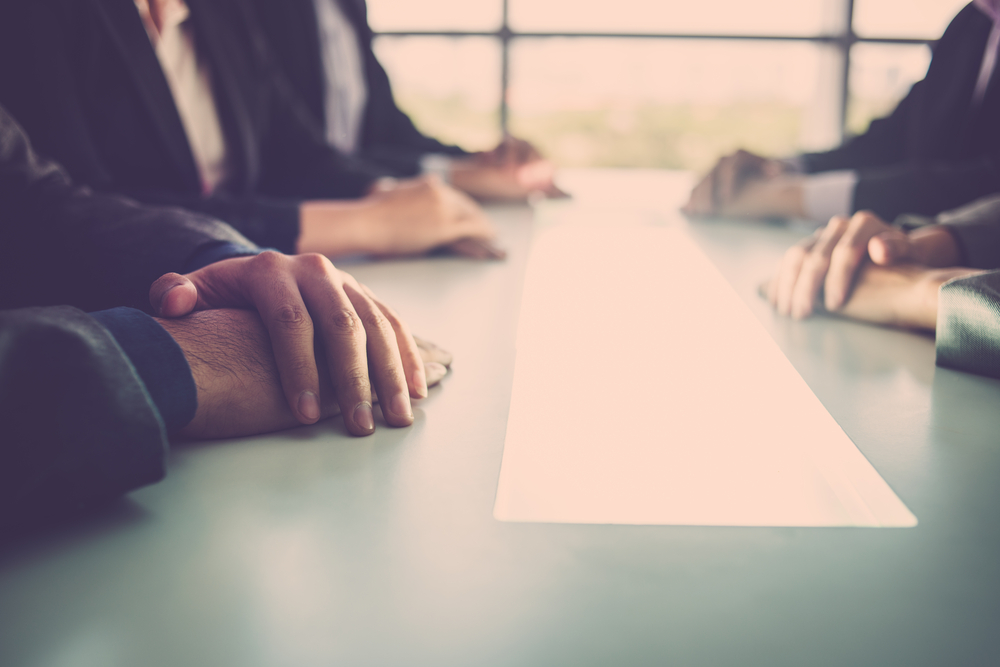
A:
(654, 83)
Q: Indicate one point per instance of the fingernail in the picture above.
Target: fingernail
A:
(400, 405)
(309, 405)
(420, 379)
(363, 416)
(163, 299)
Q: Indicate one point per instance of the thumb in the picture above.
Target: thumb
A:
(890, 247)
(173, 295)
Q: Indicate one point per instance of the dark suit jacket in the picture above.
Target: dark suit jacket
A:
(76, 423)
(935, 151)
(388, 136)
(84, 79)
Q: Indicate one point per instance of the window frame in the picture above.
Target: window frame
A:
(842, 41)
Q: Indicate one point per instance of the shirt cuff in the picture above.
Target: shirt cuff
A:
(158, 360)
(210, 253)
(828, 194)
(437, 164)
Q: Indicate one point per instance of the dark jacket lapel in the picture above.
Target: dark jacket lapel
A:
(129, 36)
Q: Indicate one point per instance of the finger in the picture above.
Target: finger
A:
(291, 329)
(726, 182)
(435, 373)
(788, 274)
(890, 247)
(814, 268)
(409, 350)
(173, 295)
(431, 352)
(847, 256)
(477, 248)
(384, 362)
(344, 340)
(700, 201)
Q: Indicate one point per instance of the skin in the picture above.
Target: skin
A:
(237, 377)
(903, 296)
(305, 304)
(512, 171)
(827, 264)
(747, 185)
(398, 218)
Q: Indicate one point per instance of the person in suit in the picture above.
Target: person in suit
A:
(324, 48)
(940, 273)
(179, 103)
(87, 400)
(939, 149)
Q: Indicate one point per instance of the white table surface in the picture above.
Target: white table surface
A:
(312, 548)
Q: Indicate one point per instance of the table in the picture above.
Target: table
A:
(311, 548)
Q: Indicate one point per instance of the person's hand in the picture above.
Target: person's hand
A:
(828, 261)
(239, 388)
(300, 299)
(902, 296)
(512, 171)
(400, 218)
(719, 190)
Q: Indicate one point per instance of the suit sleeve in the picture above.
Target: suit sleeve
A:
(976, 230)
(968, 324)
(78, 426)
(924, 187)
(63, 244)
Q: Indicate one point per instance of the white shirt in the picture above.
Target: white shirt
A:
(191, 85)
(346, 89)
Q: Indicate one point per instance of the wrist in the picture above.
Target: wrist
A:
(935, 245)
(340, 227)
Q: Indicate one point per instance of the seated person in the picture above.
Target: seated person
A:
(180, 106)
(86, 401)
(930, 276)
(939, 149)
(325, 50)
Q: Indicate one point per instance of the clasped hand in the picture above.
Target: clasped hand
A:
(331, 341)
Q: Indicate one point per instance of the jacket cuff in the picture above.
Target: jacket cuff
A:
(158, 360)
(210, 253)
(968, 323)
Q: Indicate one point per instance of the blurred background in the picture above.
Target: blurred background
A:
(654, 83)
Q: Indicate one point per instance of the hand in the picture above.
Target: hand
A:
(720, 188)
(512, 171)
(363, 340)
(402, 218)
(239, 392)
(830, 259)
(902, 296)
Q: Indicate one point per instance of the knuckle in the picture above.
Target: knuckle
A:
(355, 380)
(269, 259)
(346, 322)
(374, 321)
(314, 262)
(291, 316)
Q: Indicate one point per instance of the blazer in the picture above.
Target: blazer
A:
(85, 80)
(77, 425)
(936, 151)
(388, 136)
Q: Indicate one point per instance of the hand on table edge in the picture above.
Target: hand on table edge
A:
(904, 296)
(720, 189)
(365, 343)
(825, 265)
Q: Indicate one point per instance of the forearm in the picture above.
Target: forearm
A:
(341, 228)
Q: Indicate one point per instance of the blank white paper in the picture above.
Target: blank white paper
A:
(646, 392)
